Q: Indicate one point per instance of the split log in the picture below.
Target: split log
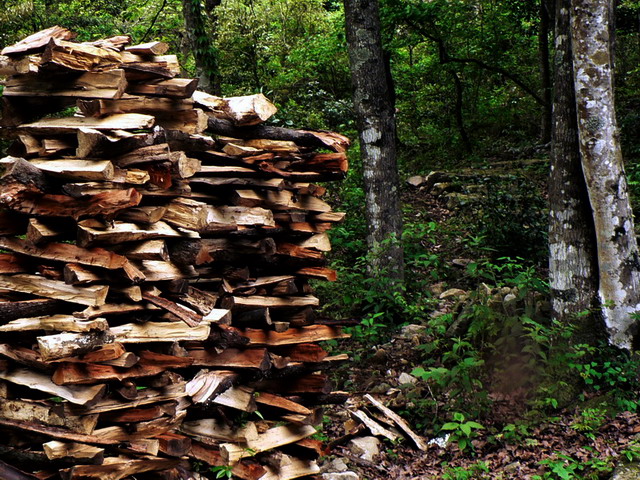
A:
(42, 383)
(42, 287)
(246, 110)
(39, 232)
(149, 364)
(304, 138)
(56, 126)
(277, 401)
(12, 310)
(145, 250)
(146, 215)
(80, 57)
(205, 384)
(238, 397)
(160, 332)
(321, 273)
(211, 456)
(374, 427)
(92, 231)
(213, 431)
(256, 358)
(400, 422)
(18, 66)
(65, 252)
(47, 414)
(104, 85)
(187, 316)
(104, 354)
(314, 333)
(59, 323)
(201, 301)
(62, 345)
(174, 445)
(22, 199)
(38, 41)
(234, 183)
(284, 200)
(293, 468)
(173, 88)
(13, 264)
(79, 452)
(116, 468)
(272, 438)
(77, 170)
(115, 43)
(151, 48)
(269, 302)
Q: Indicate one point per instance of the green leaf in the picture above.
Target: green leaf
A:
(450, 426)
(466, 429)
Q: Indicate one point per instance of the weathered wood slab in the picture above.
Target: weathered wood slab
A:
(314, 333)
(48, 414)
(104, 85)
(43, 287)
(80, 57)
(56, 126)
(38, 41)
(257, 358)
(173, 88)
(79, 452)
(59, 323)
(272, 438)
(42, 383)
(92, 231)
(246, 110)
(160, 332)
(53, 347)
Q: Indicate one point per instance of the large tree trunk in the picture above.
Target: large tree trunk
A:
(373, 101)
(545, 69)
(603, 169)
(201, 44)
(573, 268)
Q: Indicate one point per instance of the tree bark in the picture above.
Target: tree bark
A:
(618, 262)
(545, 70)
(373, 101)
(201, 44)
(573, 268)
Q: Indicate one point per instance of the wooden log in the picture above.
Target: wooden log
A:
(269, 302)
(282, 403)
(374, 427)
(115, 309)
(146, 250)
(314, 333)
(75, 274)
(234, 183)
(149, 364)
(9, 472)
(104, 85)
(145, 215)
(173, 88)
(58, 323)
(201, 301)
(211, 456)
(40, 231)
(80, 57)
(79, 452)
(115, 43)
(213, 431)
(400, 422)
(117, 469)
(65, 252)
(321, 273)
(272, 438)
(21, 199)
(156, 106)
(237, 397)
(134, 414)
(47, 414)
(42, 287)
(174, 445)
(292, 468)
(92, 231)
(37, 381)
(93, 143)
(160, 332)
(246, 110)
(284, 200)
(62, 345)
(190, 318)
(13, 264)
(151, 48)
(159, 271)
(206, 384)
(253, 358)
(77, 170)
(187, 213)
(56, 126)
(18, 170)
(104, 354)
(16, 66)
(304, 138)
(38, 41)
(249, 216)
(12, 310)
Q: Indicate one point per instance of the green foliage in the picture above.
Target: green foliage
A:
(462, 430)
(565, 467)
(475, 471)
(222, 471)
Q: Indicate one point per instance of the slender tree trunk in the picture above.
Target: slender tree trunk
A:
(545, 70)
(373, 101)
(201, 44)
(618, 263)
(464, 137)
(573, 267)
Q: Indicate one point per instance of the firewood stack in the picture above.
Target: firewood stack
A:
(156, 318)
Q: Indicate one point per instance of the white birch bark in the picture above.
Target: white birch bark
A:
(603, 169)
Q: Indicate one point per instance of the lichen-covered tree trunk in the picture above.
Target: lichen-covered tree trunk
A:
(618, 263)
(201, 43)
(373, 101)
(573, 267)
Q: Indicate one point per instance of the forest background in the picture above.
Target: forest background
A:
(472, 86)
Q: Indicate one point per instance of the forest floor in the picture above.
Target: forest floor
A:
(518, 440)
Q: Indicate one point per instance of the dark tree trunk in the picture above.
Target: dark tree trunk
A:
(573, 268)
(464, 137)
(373, 101)
(201, 43)
(545, 70)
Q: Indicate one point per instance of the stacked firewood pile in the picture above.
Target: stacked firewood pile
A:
(156, 317)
